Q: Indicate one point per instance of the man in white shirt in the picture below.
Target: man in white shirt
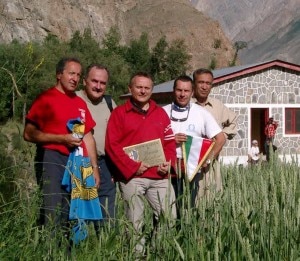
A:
(188, 118)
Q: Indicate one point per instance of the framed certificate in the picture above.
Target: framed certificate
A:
(150, 152)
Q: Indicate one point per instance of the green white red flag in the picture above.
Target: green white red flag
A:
(195, 152)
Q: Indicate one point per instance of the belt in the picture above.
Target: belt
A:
(101, 157)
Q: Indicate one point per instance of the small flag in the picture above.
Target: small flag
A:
(195, 152)
(79, 180)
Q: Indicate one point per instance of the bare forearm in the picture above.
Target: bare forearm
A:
(33, 134)
(92, 152)
(91, 148)
(219, 143)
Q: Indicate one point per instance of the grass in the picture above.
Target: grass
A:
(257, 217)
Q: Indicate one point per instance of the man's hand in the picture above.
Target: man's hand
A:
(206, 163)
(96, 172)
(71, 141)
(180, 137)
(163, 169)
(142, 169)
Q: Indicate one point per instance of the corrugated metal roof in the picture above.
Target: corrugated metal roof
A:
(229, 72)
(218, 73)
(164, 87)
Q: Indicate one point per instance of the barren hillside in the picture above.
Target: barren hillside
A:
(270, 27)
(27, 20)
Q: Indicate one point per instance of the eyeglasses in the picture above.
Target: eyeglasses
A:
(172, 118)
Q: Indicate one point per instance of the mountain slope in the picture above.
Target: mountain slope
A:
(34, 19)
(270, 27)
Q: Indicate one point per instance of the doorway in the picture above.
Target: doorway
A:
(259, 117)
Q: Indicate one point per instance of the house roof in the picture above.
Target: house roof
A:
(228, 73)
(221, 75)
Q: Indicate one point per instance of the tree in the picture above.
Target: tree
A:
(239, 45)
(177, 59)
(138, 54)
(84, 46)
(21, 64)
(213, 62)
(111, 42)
(159, 60)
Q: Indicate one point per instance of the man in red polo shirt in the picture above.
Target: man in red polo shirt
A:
(137, 121)
(46, 125)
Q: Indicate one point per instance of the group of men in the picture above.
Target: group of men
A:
(110, 128)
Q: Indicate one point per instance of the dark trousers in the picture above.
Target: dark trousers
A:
(181, 185)
(106, 192)
(50, 171)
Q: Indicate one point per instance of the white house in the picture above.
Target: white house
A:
(256, 92)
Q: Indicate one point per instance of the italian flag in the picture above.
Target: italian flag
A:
(195, 152)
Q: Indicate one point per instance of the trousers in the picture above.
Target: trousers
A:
(159, 194)
(107, 191)
(55, 207)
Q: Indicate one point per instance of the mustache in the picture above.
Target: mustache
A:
(97, 90)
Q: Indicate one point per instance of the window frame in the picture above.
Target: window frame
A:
(291, 118)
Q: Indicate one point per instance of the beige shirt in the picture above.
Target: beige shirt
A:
(225, 117)
(100, 113)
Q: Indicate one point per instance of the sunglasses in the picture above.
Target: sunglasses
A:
(172, 118)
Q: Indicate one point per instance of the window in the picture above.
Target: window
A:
(292, 121)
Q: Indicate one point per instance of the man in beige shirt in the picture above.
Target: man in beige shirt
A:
(203, 80)
(100, 105)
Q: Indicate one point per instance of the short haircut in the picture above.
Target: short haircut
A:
(202, 71)
(97, 66)
(60, 66)
(182, 78)
(141, 74)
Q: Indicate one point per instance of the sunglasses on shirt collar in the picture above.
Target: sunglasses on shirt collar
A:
(172, 118)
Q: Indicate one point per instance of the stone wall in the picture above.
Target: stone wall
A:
(273, 88)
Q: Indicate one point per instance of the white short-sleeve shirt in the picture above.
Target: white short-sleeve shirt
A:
(199, 123)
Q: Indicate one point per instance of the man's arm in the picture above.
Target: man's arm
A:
(219, 143)
(114, 148)
(219, 140)
(92, 152)
(34, 135)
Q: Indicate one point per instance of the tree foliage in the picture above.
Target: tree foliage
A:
(239, 45)
(138, 54)
(27, 69)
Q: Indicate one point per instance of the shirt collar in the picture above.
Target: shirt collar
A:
(175, 107)
(207, 103)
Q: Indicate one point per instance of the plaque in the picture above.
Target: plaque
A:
(150, 152)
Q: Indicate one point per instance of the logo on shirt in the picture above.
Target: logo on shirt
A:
(82, 115)
(191, 127)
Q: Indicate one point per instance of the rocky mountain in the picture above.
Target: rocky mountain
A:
(271, 28)
(27, 20)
